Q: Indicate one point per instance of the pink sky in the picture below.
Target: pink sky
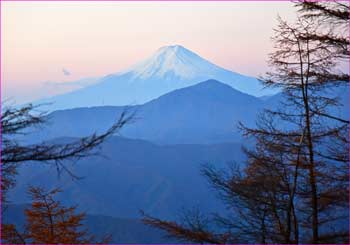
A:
(91, 39)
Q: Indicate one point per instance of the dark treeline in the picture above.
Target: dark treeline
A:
(294, 186)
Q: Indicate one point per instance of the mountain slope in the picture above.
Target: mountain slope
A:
(170, 68)
(207, 112)
(131, 175)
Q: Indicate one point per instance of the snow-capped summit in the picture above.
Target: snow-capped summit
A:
(174, 61)
(169, 68)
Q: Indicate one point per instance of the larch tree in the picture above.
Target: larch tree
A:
(48, 222)
(17, 121)
(305, 70)
(333, 17)
(294, 187)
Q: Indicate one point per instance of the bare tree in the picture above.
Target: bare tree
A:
(333, 18)
(194, 227)
(295, 184)
(13, 154)
(256, 202)
(303, 67)
(17, 121)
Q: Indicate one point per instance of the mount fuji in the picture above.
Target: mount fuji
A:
(168, 69)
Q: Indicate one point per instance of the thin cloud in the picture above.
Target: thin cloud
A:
(66, 72)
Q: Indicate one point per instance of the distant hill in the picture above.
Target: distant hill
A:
(207, 112)
(204, 113)
(158, 170)
(131, 175)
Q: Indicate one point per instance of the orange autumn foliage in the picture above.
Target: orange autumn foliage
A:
(48, 222)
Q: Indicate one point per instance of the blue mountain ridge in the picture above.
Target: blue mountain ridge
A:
(169, 68)
(207, 112)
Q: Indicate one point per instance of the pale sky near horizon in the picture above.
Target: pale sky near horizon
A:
(66, 41)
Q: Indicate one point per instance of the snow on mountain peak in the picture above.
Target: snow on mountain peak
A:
(172, 61)
(169, 68)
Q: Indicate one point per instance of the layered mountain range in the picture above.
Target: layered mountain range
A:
(186, 112)
(169, 68)
(207, 112)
